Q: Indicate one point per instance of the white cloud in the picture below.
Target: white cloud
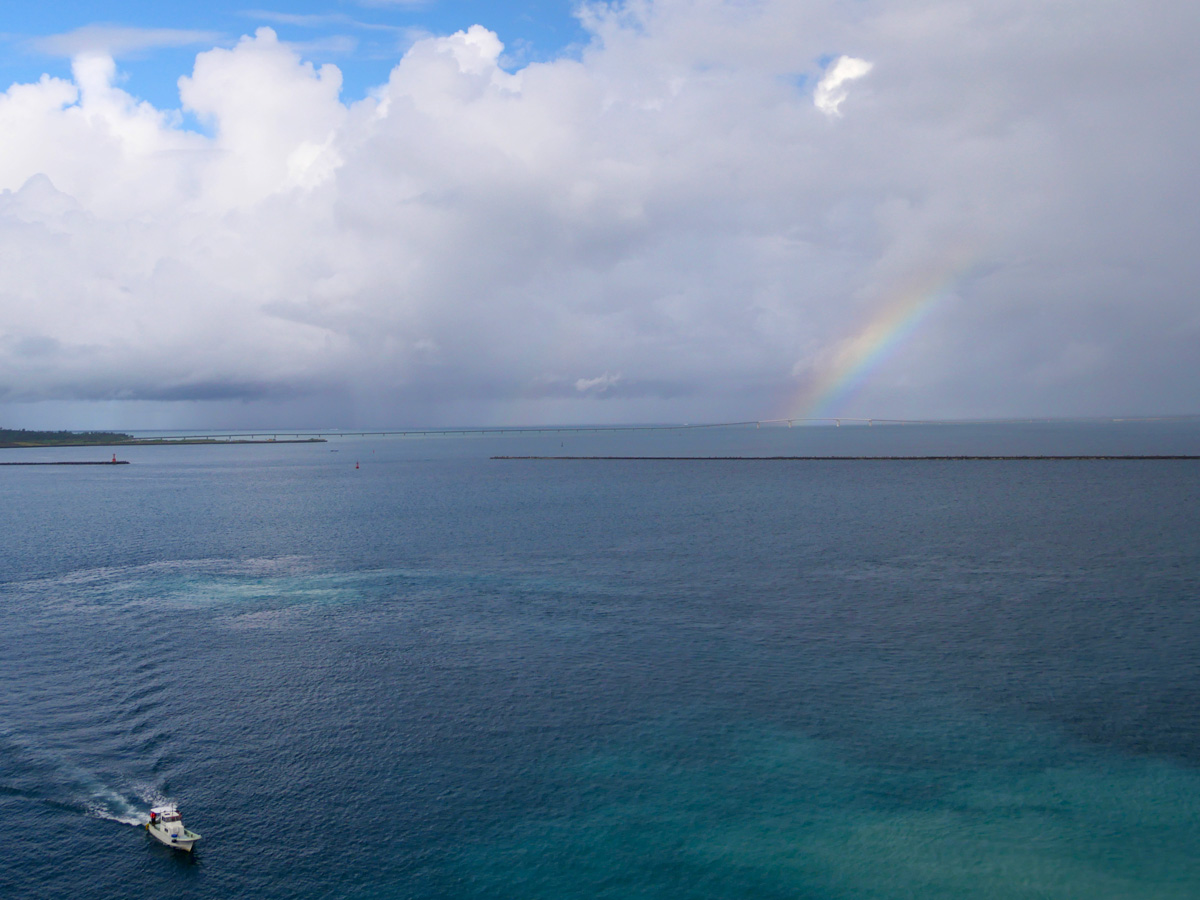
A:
(669, 206)
(276, 121)
(598, 385)
(831, 90)
(115, 40)
(414, 4)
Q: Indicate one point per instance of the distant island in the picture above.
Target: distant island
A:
(19, 437)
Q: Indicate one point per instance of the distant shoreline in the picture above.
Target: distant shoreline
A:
(153, 442)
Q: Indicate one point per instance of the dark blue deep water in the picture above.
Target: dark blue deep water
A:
(444, 676)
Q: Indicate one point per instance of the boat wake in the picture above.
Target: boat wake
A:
(41, 775)
(108, 804)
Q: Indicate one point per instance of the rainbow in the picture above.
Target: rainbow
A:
(892, 323)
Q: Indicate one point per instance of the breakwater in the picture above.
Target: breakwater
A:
(101, 462)
(856, 458)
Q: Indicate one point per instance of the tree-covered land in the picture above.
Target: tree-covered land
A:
(19, 437)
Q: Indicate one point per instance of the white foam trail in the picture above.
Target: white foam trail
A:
(150, 794)
(106, 803)
(116, 810)
(67, 784)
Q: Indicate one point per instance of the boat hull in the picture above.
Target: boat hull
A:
(184, 842)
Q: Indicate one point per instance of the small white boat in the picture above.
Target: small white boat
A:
(167, 826)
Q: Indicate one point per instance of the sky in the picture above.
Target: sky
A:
(390, 214)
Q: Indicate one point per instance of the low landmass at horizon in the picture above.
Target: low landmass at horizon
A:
(393, 212)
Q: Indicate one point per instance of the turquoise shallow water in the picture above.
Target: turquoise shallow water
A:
(444, 676)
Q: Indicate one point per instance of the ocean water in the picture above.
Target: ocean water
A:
(440, 675)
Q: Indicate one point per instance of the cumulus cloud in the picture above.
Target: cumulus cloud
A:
(670, 204)
(831, 90)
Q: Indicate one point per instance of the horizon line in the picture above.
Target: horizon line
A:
(803, 421)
